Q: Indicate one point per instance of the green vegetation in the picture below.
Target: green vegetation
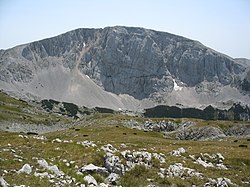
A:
(236, 157)
(15, 110)
(108, 128)
(236, 112)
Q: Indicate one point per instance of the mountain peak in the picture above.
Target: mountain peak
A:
(124, 67)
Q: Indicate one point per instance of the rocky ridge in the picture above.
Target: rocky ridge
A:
(123, 68)
(189, 130)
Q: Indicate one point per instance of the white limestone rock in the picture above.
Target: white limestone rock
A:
(90, 180)
(113, 177)
(93, 168)
(3, 182)
(43, 163)
(25, 169)
(178, 170)
(178, 152)
(109, 148)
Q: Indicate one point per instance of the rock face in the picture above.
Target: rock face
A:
(117, 67)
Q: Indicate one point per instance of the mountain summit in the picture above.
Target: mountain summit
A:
(124, 68)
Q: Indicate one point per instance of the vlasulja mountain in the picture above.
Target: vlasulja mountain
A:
(124, 68)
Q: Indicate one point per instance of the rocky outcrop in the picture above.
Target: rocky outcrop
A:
(85, 66)
(201, 133)
(25, 169)
(177, 170)
(223, 182)
(189, 130)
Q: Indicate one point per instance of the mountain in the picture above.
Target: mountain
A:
(124, 68)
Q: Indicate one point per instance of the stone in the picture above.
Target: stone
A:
(113, 177)
(90, 180)
(43, 163)
(92, 168)
(222, 182)
(40, 137)
(203, 163)
(207, 160)
(113, 164)
(219, 155)
(55, 170)
(221, 166)
(109, 148)
(87, 143)
(3, 182)
(178, 152)
(25, 169)
(41, 175)
(160, 157)
(103, 185)
(57, 140)
(177, 170)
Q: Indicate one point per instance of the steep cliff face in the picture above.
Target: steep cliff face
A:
(142, 63)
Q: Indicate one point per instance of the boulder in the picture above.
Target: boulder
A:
(25, 169)
(90, 180)
(92, 168)
(113, 164)
(178, 152)
(112, 178)
(43, 163)
(3, 182)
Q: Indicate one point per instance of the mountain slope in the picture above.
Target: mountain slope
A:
(124, 67)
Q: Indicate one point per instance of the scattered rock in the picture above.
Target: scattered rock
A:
(178, 152)
(109, 148)
(177, 170)
(44, 164)
(160, 157)
(41, 175)
(204, 163)
(222, 182)
(87, 143)
(206, 160)
(40, 137)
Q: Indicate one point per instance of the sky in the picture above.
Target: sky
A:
(223, 25)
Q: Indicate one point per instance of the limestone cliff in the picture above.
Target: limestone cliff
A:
(124, 67)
